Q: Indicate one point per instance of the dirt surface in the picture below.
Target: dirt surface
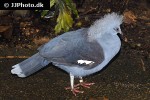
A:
(127, 77)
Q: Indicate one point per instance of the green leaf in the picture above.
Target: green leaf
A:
(57, 28)
(64, 21)
(44, 12)
(71, 6)
(52, 2)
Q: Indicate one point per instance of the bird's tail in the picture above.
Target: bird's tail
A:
(29, 66)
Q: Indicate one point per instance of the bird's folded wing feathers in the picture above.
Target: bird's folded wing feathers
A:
(73, 50)
(58, 43)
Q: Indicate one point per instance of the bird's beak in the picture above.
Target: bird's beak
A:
(122, 36)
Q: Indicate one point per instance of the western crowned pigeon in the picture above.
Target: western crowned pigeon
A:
(80, 53)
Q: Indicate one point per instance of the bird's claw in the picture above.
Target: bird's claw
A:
(75, 90)
(86, 85)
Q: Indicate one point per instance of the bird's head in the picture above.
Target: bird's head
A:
(110, 23)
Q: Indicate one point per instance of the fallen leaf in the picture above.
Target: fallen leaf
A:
(105, 98)
(129, 17)
(6, 31)
(41, 40)
(4, 28)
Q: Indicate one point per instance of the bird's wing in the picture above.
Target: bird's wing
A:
(49, 49)
(74, 50)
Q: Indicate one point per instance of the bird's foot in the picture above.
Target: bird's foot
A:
(86, 85)
(75, 90)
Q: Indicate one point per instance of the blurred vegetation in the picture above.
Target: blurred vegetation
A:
(65, 10)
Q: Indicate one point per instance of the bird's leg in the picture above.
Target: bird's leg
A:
(73, 88)
(84, 84)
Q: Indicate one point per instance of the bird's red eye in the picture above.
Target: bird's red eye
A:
(116, 29)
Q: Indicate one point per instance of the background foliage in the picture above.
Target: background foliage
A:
(65, 9)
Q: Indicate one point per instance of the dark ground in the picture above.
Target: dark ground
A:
(126, 78)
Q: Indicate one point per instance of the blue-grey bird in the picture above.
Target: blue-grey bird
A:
(80, 53)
